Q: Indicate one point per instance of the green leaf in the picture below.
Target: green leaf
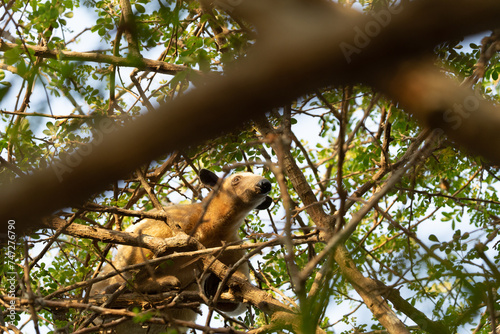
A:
(494, 75)
(3, 91)
(140, 8)
(433, 237)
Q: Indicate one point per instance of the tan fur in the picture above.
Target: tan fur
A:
(221, 213)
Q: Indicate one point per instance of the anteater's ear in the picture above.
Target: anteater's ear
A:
(208, 178)
(264, 205)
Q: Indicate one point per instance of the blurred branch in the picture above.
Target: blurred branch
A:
(273, 74)
(440, 103)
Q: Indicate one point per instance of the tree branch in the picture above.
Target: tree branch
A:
(143, 64)
(363, 285)
(155, 244)
(127, 23)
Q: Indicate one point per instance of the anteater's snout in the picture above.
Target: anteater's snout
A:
(264, 185)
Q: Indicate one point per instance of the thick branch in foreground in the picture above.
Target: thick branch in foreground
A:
(438, 102)
(273, 74)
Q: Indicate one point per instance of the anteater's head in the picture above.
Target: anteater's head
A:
(246, 189)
